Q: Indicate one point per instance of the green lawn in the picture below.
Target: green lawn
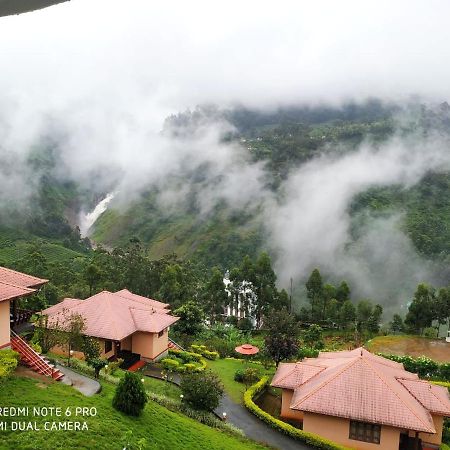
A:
(161, 428)
(162, 387)
(226, 368)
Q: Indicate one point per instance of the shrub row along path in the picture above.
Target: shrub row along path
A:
(254, 428)
(87, 386)
(243, 419)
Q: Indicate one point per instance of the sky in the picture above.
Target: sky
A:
(103, 75)
(159, 57)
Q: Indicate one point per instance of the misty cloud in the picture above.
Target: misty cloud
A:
(100, 76)
(311, 226)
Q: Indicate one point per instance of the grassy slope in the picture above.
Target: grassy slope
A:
(226, 368)
(161, 428)
(15, 244)
(220, 239)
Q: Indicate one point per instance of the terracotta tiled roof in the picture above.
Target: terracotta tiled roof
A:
(20, 279)
(10, 291)
(361, 386)
(290, 376)
(434, 398)
(112, 315)
(144, 300)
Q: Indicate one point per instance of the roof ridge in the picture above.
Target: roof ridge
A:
(320, 386)
(385, 381)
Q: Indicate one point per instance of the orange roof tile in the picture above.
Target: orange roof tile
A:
(112, 315)
(11, 291)
(20, 279)
(361, 386)
(434, 398)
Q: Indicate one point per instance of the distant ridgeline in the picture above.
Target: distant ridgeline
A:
(283, 139)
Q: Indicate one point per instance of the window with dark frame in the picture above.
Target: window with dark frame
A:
(366, 432)
(108, 346)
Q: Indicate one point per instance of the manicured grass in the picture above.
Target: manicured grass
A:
(436, 349)
(161, 428)
(162, 387)
(226, 368)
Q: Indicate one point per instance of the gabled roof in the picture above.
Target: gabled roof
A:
(113, 316)
(11, 291)
(20, 279)
(361, 386)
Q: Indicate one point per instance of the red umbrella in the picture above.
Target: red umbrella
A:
(247, 349)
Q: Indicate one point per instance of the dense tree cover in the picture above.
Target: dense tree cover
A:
(428, 305)
(332, 305)
(253, 283)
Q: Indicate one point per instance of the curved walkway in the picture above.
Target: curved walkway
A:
(256, 429)
(243, 419)
(87, 386)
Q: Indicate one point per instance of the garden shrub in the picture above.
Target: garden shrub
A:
(170, 364)
(239, 376)
(303, 436)
(189, 367)
(202, 350)
(113, 366)
(36, 347)
(202, 391)
(130, 397)
(184, 361)
(8, 362)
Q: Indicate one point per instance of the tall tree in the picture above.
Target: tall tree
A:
(215, 295)
(396, 324)
(314, 292)
(421, 310)
(281, 341)
(343, 292)
(347, 314)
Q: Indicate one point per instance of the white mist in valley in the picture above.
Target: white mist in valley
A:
(310, 227)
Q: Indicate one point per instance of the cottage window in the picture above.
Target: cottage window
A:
(161, 333)
(366, 432)
(108, 346)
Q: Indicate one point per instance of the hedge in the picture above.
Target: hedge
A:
(187, 358)
(201, 349)
(423, 366)
(300, 435)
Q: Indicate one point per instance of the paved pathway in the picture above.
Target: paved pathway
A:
(87, 386)
(243, 419)
(255, 428)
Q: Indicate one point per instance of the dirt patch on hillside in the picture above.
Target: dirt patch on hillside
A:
(23, 371)
(436, 349)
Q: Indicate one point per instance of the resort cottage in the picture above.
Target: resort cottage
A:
(362, 401)
(126, 325)
(14, 285)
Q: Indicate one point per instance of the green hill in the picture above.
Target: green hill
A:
(161, 428)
